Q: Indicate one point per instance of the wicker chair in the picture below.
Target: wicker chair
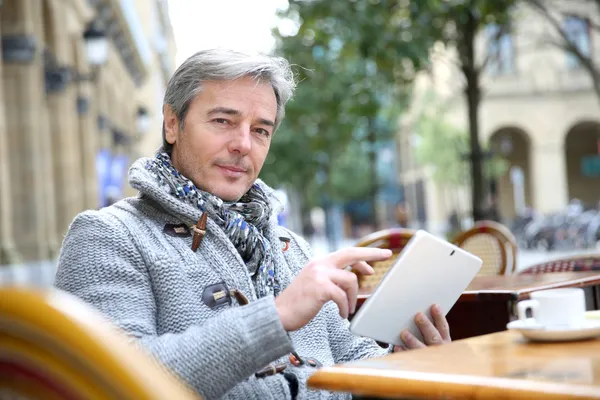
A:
(53, 346)
(588, 262)
(394, 239)
(494, 244)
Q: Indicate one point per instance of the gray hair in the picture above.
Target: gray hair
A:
(225, 65)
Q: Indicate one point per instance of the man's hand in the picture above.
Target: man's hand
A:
(324, 279)
(434, 333)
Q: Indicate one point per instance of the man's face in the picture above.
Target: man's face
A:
(226, 136)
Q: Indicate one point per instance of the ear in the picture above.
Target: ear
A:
(171, 124)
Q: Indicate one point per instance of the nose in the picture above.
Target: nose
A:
(241, 140)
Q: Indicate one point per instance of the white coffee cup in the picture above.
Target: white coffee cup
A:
(555, 308)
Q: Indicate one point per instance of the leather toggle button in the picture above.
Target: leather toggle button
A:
(177, 230)
(286, 243)
(199, 231)
(270, 370)
(217, 295)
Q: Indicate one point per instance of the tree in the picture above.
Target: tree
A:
(355, 63)
(317, 128)
(556, 12)
(457, 23)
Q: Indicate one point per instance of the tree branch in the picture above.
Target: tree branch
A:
(566, 43)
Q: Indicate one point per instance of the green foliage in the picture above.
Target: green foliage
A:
(454, 21)
(369, 32)
(440, 145)
(350, 178)
(354, 59)
(352, 63)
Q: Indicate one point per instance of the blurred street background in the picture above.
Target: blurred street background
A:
(417, 114)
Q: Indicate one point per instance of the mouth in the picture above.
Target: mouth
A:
(232, 170)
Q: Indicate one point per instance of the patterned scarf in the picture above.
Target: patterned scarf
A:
(243, 221)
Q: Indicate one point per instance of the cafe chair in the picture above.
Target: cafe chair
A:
(394, 239)
(494, 244)
(582, 263)
(55, 347)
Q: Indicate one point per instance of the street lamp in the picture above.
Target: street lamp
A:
(96, 49)
(58, 76)
(142, 120)
(96, 45)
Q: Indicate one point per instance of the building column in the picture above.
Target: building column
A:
(26, 137)
(8, 252)
(549, 176)
(62, 108)
(88, 132)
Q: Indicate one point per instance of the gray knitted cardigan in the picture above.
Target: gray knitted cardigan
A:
(122, 261)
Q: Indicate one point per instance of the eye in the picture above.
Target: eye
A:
(221, 121)
(262, 132)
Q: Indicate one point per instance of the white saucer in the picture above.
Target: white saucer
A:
(588, 329)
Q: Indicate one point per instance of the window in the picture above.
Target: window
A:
(501, 52)
(577, 31)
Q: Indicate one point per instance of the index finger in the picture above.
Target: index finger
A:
(352, 255)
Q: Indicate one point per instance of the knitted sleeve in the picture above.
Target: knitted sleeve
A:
(100, 264)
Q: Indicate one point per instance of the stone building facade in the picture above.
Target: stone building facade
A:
(69, 127)
(539, 112)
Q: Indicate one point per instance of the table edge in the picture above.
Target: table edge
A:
(385, 383)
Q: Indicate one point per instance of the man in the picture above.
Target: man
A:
(180, 289)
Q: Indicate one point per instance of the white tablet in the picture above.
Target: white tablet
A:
(428, 271)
